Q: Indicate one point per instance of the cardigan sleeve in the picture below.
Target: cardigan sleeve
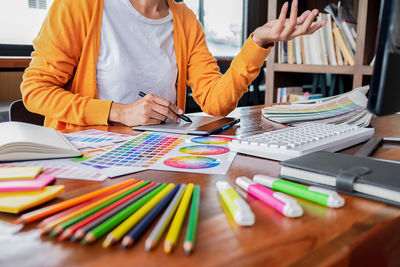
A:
(57, 52)
(219, 94)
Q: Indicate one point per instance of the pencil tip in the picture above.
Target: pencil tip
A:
(188, 247)
(84, 241)
(127, 242)
(108, 242)
(148, 245)
(18, 221)
(167, 247)
(52, 233)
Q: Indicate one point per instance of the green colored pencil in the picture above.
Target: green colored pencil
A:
(61, 227)
(188, 245)
(109, 224)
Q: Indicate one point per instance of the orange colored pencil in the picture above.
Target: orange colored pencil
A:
(46, 211)
(50, 226)
(82, 205)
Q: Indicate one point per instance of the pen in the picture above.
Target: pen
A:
(237, 207)
(316, 194)
(283, 203)
(183, 117)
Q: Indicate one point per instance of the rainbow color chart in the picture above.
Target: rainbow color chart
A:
(204, 150)
(192, 162)
(214, 140)
(165, 151)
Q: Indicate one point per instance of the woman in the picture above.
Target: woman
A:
(92, 57)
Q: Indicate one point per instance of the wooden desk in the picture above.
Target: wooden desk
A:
(364, 232)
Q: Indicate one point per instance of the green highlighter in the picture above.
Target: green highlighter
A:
(315, 194)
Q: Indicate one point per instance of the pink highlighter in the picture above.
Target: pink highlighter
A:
(281, 202)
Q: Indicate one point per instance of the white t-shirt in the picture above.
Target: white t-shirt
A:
(136, 54)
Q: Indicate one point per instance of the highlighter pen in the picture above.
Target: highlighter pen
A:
(315, 194)
(183, 117)
(283, 203)
(237, 207)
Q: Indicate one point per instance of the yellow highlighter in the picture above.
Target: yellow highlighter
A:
(237, 207)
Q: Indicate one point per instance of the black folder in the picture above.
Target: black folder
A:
(359, 176)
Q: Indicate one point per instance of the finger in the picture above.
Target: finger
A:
(302, 18)
(167, 103)
(292, 22)
(165, 112)
(303, 29)
(282, 15)
(316, 26)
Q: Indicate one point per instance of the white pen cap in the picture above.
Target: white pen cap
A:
(292, 208)
(244, 182)
(334, 200)
(264, 180)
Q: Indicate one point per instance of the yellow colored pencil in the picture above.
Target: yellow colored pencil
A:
(50, 226)
(176, 224)
(131, 221)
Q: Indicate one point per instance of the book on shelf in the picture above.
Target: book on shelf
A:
(24, 141)
(334, 44)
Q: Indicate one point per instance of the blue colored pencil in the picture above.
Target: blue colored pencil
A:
(145, 223)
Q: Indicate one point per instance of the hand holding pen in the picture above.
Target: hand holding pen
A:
(177, 113)
(150, 109)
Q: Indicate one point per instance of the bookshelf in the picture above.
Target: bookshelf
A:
(281, 75)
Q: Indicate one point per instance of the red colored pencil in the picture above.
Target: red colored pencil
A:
(72, 229)
(75, 208)
(46, 211)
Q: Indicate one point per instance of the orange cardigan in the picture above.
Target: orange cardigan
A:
(60, 81)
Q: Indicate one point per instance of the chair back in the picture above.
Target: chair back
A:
(18, 112)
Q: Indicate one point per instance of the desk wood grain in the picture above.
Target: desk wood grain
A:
(364, 232)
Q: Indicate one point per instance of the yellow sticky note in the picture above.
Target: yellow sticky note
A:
(16, 202)
(10, 173)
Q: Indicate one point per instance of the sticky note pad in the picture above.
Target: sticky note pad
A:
(27, 184)
(16, 202)
(9, 173)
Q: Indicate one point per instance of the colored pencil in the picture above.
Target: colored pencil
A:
(78, 207)
(188, 245)
(46, 211)
(144, 224)
(162, 224)
(72, 229)
(80, 232)
(132, 220)
(63, 226)
(50, 226)
(109, 224)
(176, 224)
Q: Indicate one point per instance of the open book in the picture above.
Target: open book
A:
(24, 141)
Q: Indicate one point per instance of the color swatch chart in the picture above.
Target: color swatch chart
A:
(168, 152)
(141, 152)
(95, 138)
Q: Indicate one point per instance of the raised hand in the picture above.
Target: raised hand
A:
(283, 29)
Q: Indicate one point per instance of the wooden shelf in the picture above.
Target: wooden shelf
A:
(367, 18)
(14, 63)
(303, 68)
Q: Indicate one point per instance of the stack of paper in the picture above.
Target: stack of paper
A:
(349, 108)
(25, 187)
